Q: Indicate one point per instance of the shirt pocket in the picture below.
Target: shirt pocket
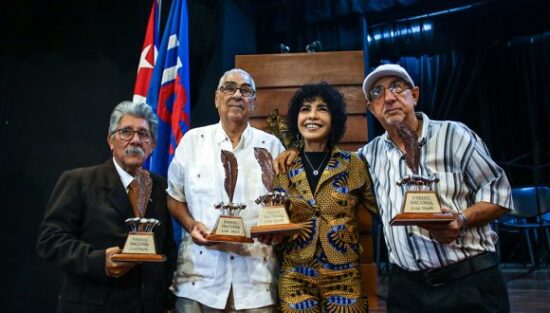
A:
(197, 262)
(260, 269)
(346, 204)
(201, 180)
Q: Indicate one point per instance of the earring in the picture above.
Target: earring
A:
(298, 143)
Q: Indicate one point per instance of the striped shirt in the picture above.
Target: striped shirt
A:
(467, 175)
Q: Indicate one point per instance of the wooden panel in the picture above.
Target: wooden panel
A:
(268, 99)
(277, 77)
(296, 69)
(365, 221)
(353, 147)
(367, 244)
(356, 128)
(365, 235)
(368, 276)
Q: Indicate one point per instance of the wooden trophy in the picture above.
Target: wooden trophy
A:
(273, 216)
(421, 204)
(229, 226)
(140, 244)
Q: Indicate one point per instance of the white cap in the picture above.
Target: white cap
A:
(386, 70)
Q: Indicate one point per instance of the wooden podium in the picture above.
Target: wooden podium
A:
(278, 76)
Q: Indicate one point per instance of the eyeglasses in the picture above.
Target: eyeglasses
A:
(246, 91)
(396, 87)
(128, 133)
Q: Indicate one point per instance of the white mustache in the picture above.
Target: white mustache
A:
(134, 150)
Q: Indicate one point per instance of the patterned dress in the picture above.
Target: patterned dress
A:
(320, 270)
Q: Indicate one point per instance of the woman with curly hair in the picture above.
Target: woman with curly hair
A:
(320, 264)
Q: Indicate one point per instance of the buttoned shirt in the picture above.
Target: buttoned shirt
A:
(467, 175)
(125, 177)
(196, 176)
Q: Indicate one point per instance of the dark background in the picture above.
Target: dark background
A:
(65, 64)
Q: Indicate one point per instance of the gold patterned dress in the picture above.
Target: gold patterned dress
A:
(320, 270)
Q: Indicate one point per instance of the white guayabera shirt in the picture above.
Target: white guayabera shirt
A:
(196, 176)
(467, 175)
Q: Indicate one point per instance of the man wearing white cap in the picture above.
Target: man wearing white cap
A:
(447, 267)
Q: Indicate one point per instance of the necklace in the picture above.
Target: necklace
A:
(315, 171)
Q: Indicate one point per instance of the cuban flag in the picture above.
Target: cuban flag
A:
(168, 93)
(149, 54)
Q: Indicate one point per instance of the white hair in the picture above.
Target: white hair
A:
(140, 110)
(238, 71)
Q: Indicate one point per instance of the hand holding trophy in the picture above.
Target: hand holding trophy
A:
(273, 216)
(420, 203)
(229, 227)
(140, 244)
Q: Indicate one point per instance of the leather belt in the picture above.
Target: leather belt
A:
(441, 276)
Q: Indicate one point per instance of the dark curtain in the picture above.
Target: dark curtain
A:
(502, 92)
(484, 63)
(64, 66)
(337, 24)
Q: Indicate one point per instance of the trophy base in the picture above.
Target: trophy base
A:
(229, 238)
(138, 257)
(421, 218)
(256, 231)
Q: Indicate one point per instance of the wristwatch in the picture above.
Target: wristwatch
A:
(463, 224)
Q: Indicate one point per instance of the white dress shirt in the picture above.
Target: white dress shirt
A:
(467, 175)
(125, 178)
(196, 176)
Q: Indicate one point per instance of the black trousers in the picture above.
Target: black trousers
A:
(478, 292)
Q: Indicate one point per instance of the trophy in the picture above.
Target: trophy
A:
(229, 226)
(140, 244)
(420, 203)
(273, 217)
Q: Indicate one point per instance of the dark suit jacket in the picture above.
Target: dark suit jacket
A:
(85, 215)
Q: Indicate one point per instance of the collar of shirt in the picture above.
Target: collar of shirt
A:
(124, 176)
(220, 136)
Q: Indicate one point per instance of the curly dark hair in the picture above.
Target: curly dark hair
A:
(336, 105)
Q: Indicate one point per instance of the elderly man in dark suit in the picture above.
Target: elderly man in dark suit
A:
(84, 226)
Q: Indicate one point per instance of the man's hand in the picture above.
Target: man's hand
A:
(447, 232)
(199, 233)
(271, 239)
(283, 161)
(116, 269)
(197, 230)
